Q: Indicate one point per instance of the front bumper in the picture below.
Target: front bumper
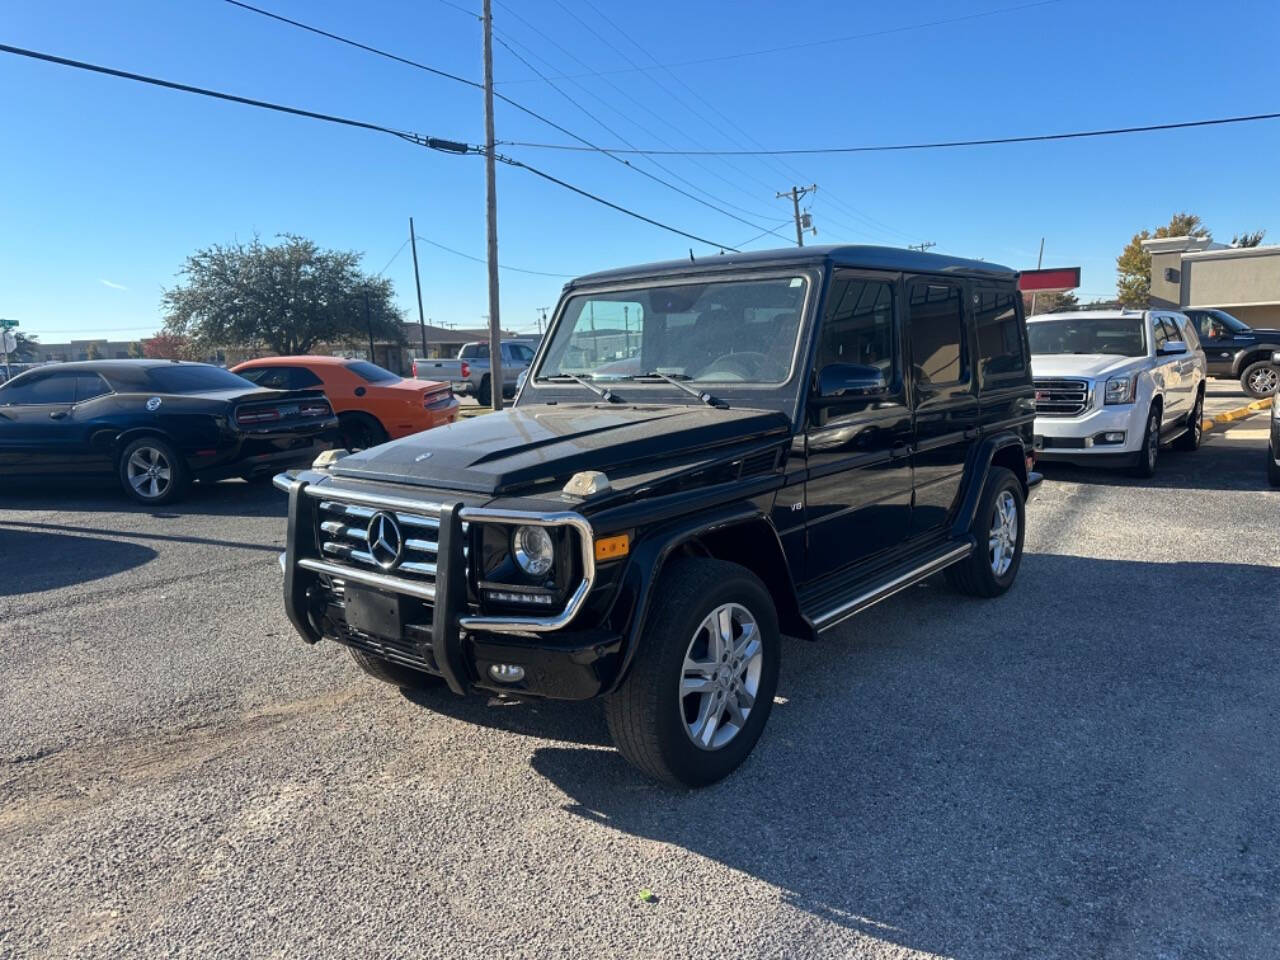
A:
(1092, 434)
(440, 630)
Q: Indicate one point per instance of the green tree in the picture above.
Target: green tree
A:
(1053, 302)
(93, 352)
(284, 298)
(27, 345)
(168, 346)
(1133, 266)
(136, 350)
(1247, 239)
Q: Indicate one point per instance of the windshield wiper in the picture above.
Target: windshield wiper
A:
(702, 395)
(604, 394)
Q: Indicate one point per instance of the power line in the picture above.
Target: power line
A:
(434, 143)
(501, 266)
(393, 259)
(721, 58)
(929, 145)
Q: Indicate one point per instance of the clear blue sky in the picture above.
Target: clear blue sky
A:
(108, 185)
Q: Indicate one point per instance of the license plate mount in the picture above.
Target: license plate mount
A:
(375, 613)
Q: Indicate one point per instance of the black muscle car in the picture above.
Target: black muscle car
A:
(156, 424)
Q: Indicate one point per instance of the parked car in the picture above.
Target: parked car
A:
(1273, 441)
(469, 372)
(373, 405)
(1113, 386)
(156, 424)
(1236, 351)
(809, 432)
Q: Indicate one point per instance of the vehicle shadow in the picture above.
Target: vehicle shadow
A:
(573, 722)
(1218, 465)
(97, 495)
(994, 778)
(34, 561)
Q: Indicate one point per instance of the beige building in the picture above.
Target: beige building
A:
(1191, 272)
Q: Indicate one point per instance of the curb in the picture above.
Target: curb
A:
(1239, 413)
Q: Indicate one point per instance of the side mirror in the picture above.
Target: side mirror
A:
(1172, 347)
(851, 380)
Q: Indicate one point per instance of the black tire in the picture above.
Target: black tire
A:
(976, 575)
(1145, 464)
(1190, 441)
(152, 472)
(360, 431)
(406, 678)
(1273, 468)
(647, 715)
(1260, 380)
(484, 396)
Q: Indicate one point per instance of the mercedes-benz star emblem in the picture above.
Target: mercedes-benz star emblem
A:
(385, 541)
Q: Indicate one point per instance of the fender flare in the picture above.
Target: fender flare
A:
(978, 470)
(635, 593)
(1256, 353)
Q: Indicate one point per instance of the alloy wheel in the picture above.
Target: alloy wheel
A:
(1264, 380)
(149, 472)
(1002, 544)
(1153, 441)
(721, 676)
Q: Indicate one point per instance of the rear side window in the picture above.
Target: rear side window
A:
(193, 378)
(90, 385)
(474, 351)
(1189, 337)
(858, 325)
(282, 378)
(937, 334)
(48, 388)
(1000, 350)
(371, 372)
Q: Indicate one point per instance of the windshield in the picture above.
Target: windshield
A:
(194, 378)
(1120, 336)
(733, 331)
(371, 373)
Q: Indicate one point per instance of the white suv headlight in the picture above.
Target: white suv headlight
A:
(1121, 389)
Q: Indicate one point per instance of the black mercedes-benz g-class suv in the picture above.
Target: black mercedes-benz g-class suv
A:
(705, 456)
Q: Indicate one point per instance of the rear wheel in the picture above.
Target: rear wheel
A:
(702, 683)
(485, 394)
(1260, 379)
(151, 471)
(1195, 427)
(403, 677)
(1145, 466)
(360, 431)
(999, 527)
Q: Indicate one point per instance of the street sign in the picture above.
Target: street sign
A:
(10, 342)
(7, 324)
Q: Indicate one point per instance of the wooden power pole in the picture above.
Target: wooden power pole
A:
(422, 322)
(491, 216)
(795, 193)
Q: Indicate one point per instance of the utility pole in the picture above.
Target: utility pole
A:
(922, 247)
(543, 322)
(422, 322)
(795, 193)
(1039, 264)
(491, 215)
(368, 322)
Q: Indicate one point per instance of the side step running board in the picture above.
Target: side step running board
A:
(897, 581)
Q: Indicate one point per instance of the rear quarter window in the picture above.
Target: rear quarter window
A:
(1001, 353)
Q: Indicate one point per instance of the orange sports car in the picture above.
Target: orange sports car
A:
(373, 405)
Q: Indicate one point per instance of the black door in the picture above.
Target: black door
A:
(1004, 377)
(1220, 341)
(858, 491)
(944, 402)
(36, 427)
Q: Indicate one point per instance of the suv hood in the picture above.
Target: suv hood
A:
(502, 453)
(1093, 365)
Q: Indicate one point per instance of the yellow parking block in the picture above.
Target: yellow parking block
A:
(1239, 413)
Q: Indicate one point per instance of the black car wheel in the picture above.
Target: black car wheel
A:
(1260, 379)
(152, 472)
(1150, 452)
(484, 396)
(1190, 440)
(1273, 468)
(702, 683)
(406, 678)
(360, 431)
(999, 528)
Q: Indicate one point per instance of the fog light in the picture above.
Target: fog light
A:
(506, 672)
(1114, 436)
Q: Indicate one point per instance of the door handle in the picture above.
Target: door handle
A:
(58, 415)
(900, 451)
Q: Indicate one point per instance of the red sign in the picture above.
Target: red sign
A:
(1053, 280)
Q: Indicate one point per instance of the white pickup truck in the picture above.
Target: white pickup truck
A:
(1113, 386)
(469, 372)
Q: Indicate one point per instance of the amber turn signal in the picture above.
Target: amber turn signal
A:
(612, 548)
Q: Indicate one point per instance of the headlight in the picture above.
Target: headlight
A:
(1121, 389)
(533, 550)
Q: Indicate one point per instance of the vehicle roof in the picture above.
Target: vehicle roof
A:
(1095, 314)
(840, 255)
(300, 360)
(97, 366)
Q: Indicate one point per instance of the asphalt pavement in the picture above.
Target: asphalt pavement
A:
(1085, 767)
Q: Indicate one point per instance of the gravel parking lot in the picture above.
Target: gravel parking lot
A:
(1084, 767)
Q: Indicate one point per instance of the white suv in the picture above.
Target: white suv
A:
(1112, 386)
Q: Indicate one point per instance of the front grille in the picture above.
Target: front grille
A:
(344, 539)
(1061, 398)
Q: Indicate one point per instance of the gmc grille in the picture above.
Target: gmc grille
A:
(1061, 398)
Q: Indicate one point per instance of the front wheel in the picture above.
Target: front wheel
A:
(152, 472)
(704, 675)
(1190, 440)
(999, 527)
(1145, 465)
(1260, 379)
